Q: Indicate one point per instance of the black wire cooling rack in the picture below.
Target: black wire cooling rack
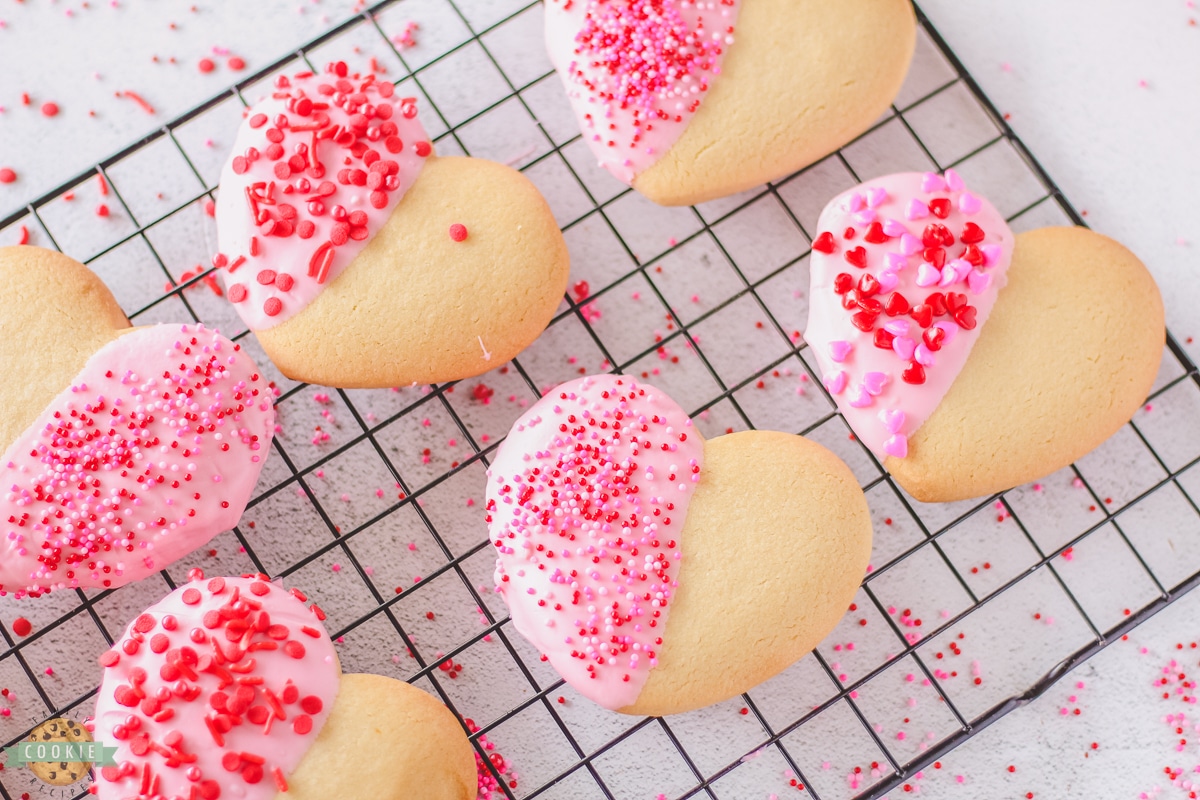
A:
(296, 527)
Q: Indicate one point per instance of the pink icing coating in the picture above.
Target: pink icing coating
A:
(216, 691)
(886, 363)
(586, 501)
(637, 70)
(152, 452)
(316, 170)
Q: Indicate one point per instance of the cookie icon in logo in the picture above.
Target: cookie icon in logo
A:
(59, 773)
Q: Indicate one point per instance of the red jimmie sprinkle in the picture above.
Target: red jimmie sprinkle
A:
(458, 232)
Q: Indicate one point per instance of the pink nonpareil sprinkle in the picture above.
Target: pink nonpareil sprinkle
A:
(336, 567)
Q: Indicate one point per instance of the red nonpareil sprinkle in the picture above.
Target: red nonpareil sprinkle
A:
(206, 65)
(50, 109)
(22, 627)
(458, 232)
(102, 210)
(236, 63)
(7, 175)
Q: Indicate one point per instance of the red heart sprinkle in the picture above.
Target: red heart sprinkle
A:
(867, 285)
(972, 233)
(843, 283)
(923, 314)
(896, 305)
(936, 234)
(955, 301)
(965, 317)
(864, 320)
(848, 233)
(875, 234)
(973, 256)
(936, 301)
(857, 257)
(824, 243)
(870, 305)
(915, 374)
(940, 207)
(933, 338)
(935, 256)
(883, 339)
(850, 300)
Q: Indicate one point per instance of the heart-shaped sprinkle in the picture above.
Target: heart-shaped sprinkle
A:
(910, 245)
(935, 256)
(940, 207)
(152, 452)
(972, 234)
(888, 280)
(948, 329)
(916, 209)
(896, 305)
(875, 234)
(914, 374)
(992, 254)
(856, 203)
(894, 262)
(874, 382)
(865, 217)
(928, 275)
(835, 382)
(932, 182)
(894, 228)
(586, 500)
(857, 257)
(904, 347)
(969, 203)
(896, 446)
(923, 314)
(883, 338)
(839, 350)
(965, 317)
(216, 691)
(892, 419)
(876, 196)
(933, 337)
(898, 327)
(954, 181)
(924, 356)
(824, 243)
(860, 397)
(978, 282)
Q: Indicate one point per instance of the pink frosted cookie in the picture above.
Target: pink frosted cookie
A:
(909, 274)
(689, 101)
(620, 531)
(230, 688)
(350, 249)
(125, 448)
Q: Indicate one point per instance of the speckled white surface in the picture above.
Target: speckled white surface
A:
(1125, 153)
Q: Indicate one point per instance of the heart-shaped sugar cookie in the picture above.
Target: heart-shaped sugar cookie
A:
(125, 448)
(659, 572)
(230, 688)
(909, 273)
(690, 101)
(360, 259)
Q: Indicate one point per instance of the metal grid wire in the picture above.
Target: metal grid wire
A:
(460, 556)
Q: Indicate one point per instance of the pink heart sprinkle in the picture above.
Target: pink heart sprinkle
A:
(836, 382)
(865, 217)
(949, 329)
(924, 356)
(873, 382)
(916, 210)
(860, 398)
(893, 419)
(969, 203)
(910, 244)
(894, 228)
(876, 197)
(896, 446)
(949, 276)
(904, 347)
(954, 181)
(991, 254)
(932, 182)
(979, 281)
(856, 202)
(928, 274)
(838, 350)
(897, 327)
(888, 280)
(895, 261)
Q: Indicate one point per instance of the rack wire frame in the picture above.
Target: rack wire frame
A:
(898, 771)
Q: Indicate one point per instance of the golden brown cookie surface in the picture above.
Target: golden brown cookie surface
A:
(775, 544)
(418, 306)
(803, 78)
(385, 740)
(1066, 358)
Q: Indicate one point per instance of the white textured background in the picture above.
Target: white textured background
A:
(1106, 93)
